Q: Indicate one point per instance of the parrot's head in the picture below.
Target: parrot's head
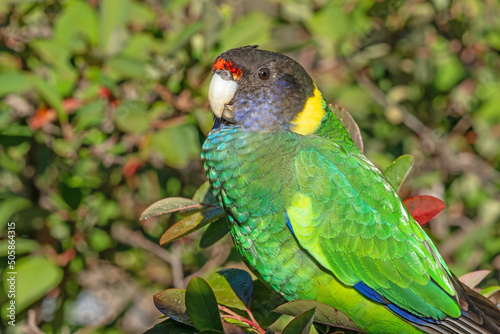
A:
(264, 91)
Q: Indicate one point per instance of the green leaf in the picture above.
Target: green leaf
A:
(324, 314)
(204, 194)
(14, 82)
(398, 171)
(301, 324)
(100, 240)
(187, 144)
(172, 303)
(215, 231)
(171, 326)
(190, 224)
(90, 115)
(113, 24)
(181, 37)
(131, 117)
(472, 279)
(319, 328)
(449, 73)
(330, 22)
(232, 287)
(36, 276)
(62, 77)
(76, 26)
(71, 195)
(23, 246)
(144, 13)
(10, 206)
(127, 68)
(138, 47)
(171, 204)
(490, 291)
(202, 306)
(264, 301)
(253, 28)
(50, 95)
(349, 124)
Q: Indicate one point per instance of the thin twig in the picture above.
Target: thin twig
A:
(31, 327)
(219, 254)
(135, 239)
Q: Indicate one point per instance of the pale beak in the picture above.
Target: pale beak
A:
(220, 93)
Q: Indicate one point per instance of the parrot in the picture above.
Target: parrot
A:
(312, 217)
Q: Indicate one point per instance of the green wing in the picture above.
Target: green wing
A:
(348, 217)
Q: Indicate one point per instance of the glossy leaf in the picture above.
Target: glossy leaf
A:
(204, 194)
(215, 231)
(172, 303)
(472, 279)
(232, 287)
(169, 205)
(324, 314)
(190, 224)
(349, 124)
(202, 306)
(398, 171)
(424, 208)
(172, 327)
(301, 324)
(264, 301)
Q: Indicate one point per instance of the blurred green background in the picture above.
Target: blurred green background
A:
(104, 109)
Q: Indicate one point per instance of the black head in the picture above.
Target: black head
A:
(257, 89)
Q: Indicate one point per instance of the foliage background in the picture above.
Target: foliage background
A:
(104, 108)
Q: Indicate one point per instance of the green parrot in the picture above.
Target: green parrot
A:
(312, 217)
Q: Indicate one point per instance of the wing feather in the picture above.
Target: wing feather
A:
(348, 217)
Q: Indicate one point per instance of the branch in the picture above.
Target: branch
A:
(31, 327)
(136, 239)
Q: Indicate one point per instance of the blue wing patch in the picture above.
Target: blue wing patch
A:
(370, 293)
(374, 295)
(289, 224)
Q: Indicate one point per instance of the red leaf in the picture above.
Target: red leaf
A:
(131, 166)
(424, 208)
(105, 92)
(71, 104)
(42, 116)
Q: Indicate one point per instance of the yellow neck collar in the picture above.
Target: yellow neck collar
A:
(309, 119)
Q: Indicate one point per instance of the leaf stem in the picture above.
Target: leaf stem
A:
(235, 316)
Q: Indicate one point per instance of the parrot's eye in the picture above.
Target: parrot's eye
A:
(264, 73)
(225, 75)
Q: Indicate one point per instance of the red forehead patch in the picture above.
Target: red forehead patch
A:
(222, 64)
